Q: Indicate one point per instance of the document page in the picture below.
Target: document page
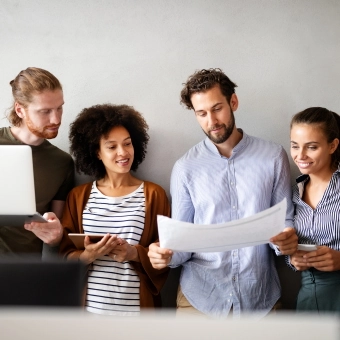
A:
(246, 232)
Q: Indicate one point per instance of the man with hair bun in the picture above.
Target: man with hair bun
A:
(35, 117)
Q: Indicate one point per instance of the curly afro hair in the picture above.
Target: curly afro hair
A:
(96, 121)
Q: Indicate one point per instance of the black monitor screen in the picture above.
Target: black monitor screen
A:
(42, 283)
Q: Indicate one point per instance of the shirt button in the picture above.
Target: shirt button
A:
(234, 278)
(234, 207)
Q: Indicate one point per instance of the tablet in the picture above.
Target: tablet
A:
(78, 239)
(307, 247)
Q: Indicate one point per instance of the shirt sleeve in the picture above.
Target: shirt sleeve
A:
(282, 186)
(67, 184)
(282, 189)
(182, 208)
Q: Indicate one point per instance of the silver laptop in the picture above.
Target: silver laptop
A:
(17, 195)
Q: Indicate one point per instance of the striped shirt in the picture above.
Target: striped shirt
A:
(320, 226)
(207, 188)
(113, 287)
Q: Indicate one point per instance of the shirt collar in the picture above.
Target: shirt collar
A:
(303, 179)
(238, 147)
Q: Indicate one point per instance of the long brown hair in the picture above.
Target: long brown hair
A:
(26, 84)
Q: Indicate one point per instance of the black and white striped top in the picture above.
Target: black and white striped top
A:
(321, 225)
(113, 287)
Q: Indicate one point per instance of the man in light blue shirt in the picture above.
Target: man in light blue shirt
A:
(228, 176)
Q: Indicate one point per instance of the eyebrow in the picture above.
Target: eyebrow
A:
(211, 107)
(48, 108)
(292, 142)
(114, 141)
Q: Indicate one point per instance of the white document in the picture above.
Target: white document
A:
(246, 232)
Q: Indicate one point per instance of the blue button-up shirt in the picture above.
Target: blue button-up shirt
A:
(207, 188)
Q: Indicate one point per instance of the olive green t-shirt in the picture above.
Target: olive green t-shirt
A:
(53, 179)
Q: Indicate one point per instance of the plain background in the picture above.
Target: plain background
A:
(282, 54)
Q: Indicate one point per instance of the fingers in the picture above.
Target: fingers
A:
(159, 257)
(50, 232)
(324, 259)
(124, 252)
(50, 216)
(287, 241)
(107, 242)
(298, 261)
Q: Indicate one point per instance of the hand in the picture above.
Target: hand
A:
(103, 247)
(124, 252)
(323, 259)
(287, 241)
(50, 232)
(298, 261)
(159, 257)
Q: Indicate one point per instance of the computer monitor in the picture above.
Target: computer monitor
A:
(32, 282)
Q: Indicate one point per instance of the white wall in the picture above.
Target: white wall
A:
(283, 54)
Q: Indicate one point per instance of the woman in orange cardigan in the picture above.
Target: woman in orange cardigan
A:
(108, 141)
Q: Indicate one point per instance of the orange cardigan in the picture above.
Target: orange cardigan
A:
(151, 280)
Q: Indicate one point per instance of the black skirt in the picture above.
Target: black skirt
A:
(320, 291)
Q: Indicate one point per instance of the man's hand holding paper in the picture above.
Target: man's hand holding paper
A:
(250, 231)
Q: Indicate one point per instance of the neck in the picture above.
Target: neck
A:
(22, 134)
(321, 177)
(116, 181)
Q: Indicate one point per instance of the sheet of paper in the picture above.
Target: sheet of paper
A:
(246, 232)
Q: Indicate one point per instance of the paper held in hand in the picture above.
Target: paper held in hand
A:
(246, 232)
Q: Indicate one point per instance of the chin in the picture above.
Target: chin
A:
(50, 135)
(305, 171)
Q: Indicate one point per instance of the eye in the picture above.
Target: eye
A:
(295, 147)
(313, 148)
(218, 109)
(201, 114)
(128, 144)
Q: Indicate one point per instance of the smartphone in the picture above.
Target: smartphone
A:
(307, 247)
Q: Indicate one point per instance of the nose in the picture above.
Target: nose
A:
(55, 117)
(302, 153)
(121, 150)
(211, 119)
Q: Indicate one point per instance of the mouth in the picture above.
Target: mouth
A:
(123, 162)
(216, 128)
(304, 165)
(52, 127)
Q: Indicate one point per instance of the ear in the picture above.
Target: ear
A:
(333, 145)
(233, 102)
(19, 109)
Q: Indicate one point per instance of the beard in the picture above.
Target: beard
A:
(42, 132)
(225, 134)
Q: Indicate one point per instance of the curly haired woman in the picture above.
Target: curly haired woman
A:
(107, 142)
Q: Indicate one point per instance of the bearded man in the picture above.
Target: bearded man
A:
(35, 117)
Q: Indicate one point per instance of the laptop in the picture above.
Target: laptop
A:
(17, 194)
(32, 282)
